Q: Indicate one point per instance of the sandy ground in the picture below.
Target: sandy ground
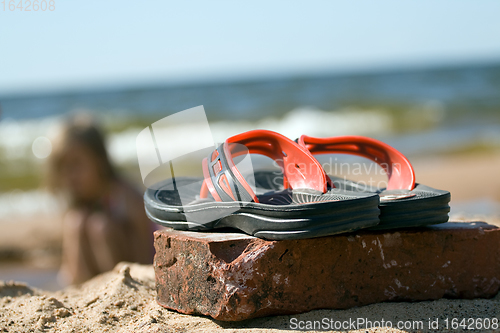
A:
(124, 301)
(35, 240)
(467, 177)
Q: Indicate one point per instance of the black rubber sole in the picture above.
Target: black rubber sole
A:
(422, 206)
(279, 215)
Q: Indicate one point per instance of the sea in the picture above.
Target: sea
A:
(420, 111)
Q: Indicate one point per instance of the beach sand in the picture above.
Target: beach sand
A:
(123, 302)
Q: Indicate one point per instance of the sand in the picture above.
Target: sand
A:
(123, 300)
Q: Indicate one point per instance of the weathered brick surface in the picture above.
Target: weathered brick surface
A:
(234, 277)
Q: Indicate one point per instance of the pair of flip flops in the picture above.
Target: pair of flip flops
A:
(306, 202)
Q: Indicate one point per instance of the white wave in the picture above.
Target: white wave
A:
(314, 122)
(17, 137)
(27, 203)
(300, 121)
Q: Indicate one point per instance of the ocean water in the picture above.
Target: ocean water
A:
(425, 111)
(461, 91)
(419, 111)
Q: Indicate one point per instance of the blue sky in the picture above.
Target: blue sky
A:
(87, 44)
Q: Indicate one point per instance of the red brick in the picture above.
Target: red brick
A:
(233, 277)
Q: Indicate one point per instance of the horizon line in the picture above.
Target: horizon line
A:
(243, 78)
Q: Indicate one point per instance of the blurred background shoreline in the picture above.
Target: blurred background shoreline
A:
(433, 111)
(445, 119)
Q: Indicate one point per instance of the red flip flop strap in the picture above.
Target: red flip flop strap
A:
(300, 168)
(398, 168)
